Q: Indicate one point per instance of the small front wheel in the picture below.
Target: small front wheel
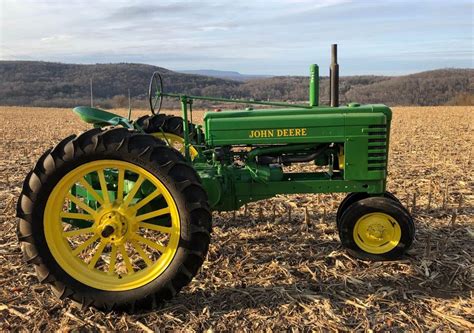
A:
(376, 228)
(356, 196)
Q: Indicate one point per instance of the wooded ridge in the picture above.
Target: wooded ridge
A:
(37, 83)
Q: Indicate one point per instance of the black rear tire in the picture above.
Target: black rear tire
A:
(153, 156)
(169, 124)
(376, 209)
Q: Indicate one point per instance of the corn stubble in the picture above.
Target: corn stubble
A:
(277, 263)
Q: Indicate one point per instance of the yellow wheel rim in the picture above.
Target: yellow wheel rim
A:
(377, 233)
(176, 142)
(125, 244)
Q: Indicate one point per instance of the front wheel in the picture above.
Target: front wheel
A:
(114, 219)
(376, 228)
(356, 196)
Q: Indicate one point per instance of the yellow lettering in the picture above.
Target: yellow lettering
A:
(270, 133)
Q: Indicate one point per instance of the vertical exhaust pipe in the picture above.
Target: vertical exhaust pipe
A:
(334, 78)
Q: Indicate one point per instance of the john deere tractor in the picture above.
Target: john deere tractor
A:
(119, 217)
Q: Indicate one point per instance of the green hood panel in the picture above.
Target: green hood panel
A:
(291, 126)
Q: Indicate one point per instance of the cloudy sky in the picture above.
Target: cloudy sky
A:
(250, 36)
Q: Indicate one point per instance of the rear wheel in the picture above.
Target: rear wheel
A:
(114, 219)
(376, 228)
(170, 129)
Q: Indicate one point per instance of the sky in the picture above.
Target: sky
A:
(279, 37)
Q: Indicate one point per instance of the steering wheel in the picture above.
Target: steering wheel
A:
(155, 91)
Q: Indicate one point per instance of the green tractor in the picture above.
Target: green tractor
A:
(119, 217)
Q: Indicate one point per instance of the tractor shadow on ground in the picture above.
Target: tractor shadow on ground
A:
(437, 266)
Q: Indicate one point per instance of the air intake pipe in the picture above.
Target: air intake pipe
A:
(313, 85)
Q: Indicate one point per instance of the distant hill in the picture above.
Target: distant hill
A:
(36, 83)
(229, 75)
(56, 84)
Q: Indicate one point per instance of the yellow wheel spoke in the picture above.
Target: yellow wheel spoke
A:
(142, 253)
(82, 247)
(133, 191)
(76, 216)
(146, 241)
(150, 215)
(89, 189)
(77, 232)
(126, 259)
(113, 259)
(146, 200)
(103, 186)
(165, 230)
(97, 254)
(80, 204)
(120, 184)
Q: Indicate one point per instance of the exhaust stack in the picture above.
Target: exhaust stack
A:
(334, 78)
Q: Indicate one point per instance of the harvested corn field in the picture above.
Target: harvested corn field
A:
(278, 263)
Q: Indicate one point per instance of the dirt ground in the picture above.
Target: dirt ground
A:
(284, 274)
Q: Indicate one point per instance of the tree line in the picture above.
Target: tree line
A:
(46, 84)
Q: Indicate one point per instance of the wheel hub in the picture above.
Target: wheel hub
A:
(376, 232)
(113, 226)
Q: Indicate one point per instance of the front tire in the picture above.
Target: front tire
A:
(376, 229)
(356, 196)
(114, 219)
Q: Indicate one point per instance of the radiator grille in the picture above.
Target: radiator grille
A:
(377, 152)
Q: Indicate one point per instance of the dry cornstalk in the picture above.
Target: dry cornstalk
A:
(428, 246)
(430, 193)
(453, 218)
(413, 203)
(323, 217)
(445, 196)
(460, 202)
(307, 218)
